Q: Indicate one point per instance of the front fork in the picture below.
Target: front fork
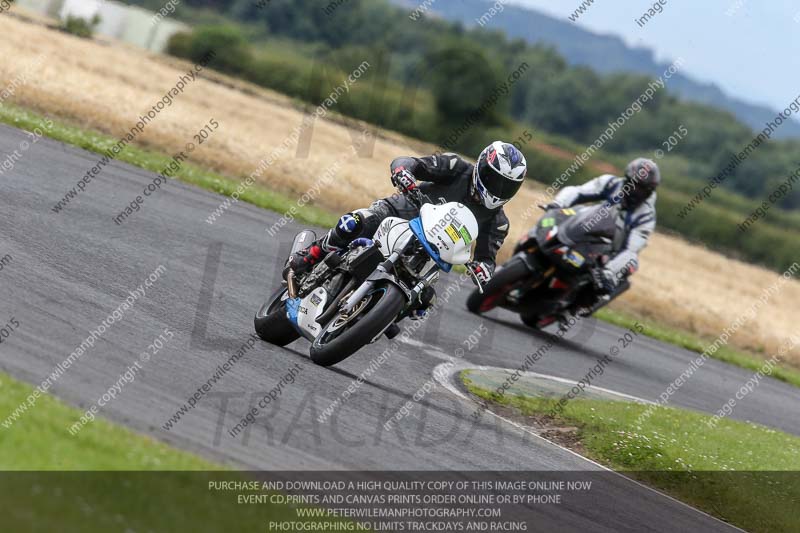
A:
(383, 273)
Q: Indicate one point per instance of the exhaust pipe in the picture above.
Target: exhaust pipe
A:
(290, 286)
(301, 240)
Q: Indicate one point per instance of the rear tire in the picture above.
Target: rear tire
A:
(375, 319)
(494, 292)
(532, 321)
(272, 324)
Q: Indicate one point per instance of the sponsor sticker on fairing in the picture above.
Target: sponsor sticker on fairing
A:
(452, 233)
(465, 235)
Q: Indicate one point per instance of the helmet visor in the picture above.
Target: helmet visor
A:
(497, 185)
(638, 193)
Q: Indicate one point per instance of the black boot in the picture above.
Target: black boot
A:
(427, 298)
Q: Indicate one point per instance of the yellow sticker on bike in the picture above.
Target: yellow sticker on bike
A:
(452, 233)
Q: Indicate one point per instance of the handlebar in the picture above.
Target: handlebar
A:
(475, 278)
(415, 196)
(418, 198)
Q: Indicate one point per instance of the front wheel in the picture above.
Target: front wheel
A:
(495, 291)
(271, 322)
(345, 335)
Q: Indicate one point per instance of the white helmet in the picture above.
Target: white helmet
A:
(499, 174)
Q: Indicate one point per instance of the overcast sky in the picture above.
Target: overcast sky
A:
(752, 53)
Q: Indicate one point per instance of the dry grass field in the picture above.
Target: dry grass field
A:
(107, 86)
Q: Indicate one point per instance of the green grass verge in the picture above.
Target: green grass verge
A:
(156, 162)
(262, 197)
(108, 478)
(742, 472)
(40, 440)
(696, 344)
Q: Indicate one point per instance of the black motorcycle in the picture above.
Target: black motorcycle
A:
(550, 273)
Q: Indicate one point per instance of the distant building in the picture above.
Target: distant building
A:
(130, 24)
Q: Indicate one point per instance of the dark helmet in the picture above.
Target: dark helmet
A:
(499, 174)
(641, 180)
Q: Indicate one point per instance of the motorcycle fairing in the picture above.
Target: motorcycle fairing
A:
(416, 227)
(451, 229)
(303, 313)
(392, 234)
(566, 241)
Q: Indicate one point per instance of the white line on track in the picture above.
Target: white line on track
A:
(446, 378)
(428, 349)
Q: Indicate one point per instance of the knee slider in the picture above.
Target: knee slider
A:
(352, 225)
(349, 225)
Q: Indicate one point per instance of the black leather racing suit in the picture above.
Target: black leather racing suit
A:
(443, 178)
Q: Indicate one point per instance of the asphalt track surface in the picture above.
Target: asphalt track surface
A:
(71, 269)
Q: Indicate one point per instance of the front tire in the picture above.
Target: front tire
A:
(495, 291)
(330, 347)
(272, 324)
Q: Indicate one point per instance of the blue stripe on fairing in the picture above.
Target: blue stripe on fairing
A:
(292, 310)
(416, 228)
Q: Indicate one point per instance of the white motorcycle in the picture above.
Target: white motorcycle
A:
(352, 297)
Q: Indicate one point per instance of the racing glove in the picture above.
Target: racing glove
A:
(604, 280)
(482, 271)
(403, 179)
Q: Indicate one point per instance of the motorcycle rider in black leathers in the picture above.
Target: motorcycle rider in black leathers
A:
(483, 188)
(635, 193)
